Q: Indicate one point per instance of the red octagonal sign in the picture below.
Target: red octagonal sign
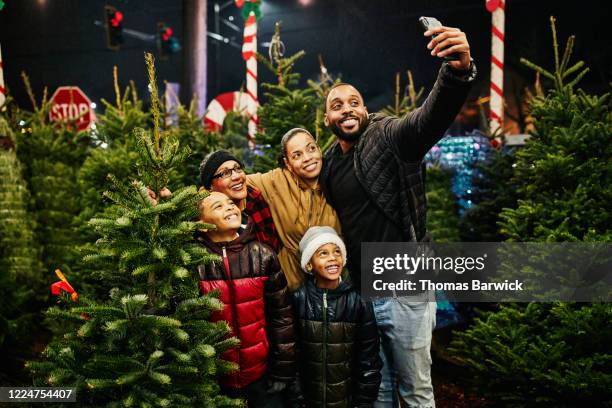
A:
(70, 105)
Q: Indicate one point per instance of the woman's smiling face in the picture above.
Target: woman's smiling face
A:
(303, 157)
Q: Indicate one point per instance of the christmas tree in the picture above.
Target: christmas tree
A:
(492, 191)
(442, 211)
(287, 107)
(19, 259)
(51, 155)
(119, 120)
(553, 354)
(21, 273)
(149, 343)
(115, 153)
(563, 172)
(542, 354)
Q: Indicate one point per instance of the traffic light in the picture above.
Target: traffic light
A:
(114, 27)
(167, 43)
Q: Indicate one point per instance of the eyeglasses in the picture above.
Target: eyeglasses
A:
(227, 173)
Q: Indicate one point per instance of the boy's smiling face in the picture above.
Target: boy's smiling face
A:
(220, 210)
(326, 264)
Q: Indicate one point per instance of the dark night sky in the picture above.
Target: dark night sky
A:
(56, 42)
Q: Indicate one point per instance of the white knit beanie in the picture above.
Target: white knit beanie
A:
(314, 239)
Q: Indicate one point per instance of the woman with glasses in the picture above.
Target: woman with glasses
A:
(221, 171)
(295, 198)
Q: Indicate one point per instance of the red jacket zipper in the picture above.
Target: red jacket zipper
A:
(230, 285)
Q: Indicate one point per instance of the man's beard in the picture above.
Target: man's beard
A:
(352, 137)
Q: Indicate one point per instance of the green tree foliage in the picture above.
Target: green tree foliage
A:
(150, 342)
(115, 156)
(563, 173)
(190, 132)
(442, 211)
(544, 354)
(51, 155)
(493, 191)
(116, 124)
(21, 272)
(115, 149)
(286, 106)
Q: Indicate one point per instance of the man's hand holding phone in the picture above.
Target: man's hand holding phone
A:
(448, 43)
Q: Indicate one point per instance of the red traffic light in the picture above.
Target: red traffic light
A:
(114, 27)
(117, 18)
(167, 33)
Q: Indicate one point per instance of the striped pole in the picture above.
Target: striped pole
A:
(496, 104)
(2, 89)
(249, 49)
(219, 107)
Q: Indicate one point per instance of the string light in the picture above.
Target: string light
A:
(460, 155)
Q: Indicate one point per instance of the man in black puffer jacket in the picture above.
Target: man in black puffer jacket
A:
(337, 339)
(373, 178)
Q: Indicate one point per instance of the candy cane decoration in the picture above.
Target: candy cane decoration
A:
(217, 108)
(2, 89)
(249, 48)
(496, 104)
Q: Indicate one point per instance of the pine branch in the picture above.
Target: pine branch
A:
(155, 104)
(29, 91)
(116, 85)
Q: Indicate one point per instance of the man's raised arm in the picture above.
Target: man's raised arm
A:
(415, 133)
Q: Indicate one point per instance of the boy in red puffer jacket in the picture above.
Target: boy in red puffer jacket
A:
(257, 305)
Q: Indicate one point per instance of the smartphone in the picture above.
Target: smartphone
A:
(431, 22)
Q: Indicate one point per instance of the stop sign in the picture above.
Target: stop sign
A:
(70, 104)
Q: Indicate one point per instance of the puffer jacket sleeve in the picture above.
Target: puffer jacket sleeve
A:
(414, 134)
(368, 365)
(280, 321)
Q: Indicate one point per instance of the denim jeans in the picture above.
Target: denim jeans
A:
(405, 329)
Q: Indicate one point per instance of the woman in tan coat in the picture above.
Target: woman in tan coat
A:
(295, 198)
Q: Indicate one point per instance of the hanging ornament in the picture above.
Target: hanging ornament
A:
(277, 48)
(324, 77)
(64, 286)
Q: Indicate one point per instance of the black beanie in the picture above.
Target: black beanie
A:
(211, 163)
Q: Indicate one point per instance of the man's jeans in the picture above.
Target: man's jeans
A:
(405, 329)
